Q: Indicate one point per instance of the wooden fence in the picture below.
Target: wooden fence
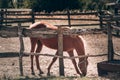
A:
(110, 22)
(9, 17)
(111, 65)
(22, 32)
(111, 27)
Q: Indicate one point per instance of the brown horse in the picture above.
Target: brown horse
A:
(69, 44)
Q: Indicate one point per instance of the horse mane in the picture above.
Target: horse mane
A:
(42, 24)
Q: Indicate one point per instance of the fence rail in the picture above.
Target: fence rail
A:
(10, 16)
(44, 33)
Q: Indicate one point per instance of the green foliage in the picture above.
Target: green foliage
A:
(56, 5)
(96, 5)
(3, 3)
(29, 3)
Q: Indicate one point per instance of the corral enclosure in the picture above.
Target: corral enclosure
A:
(94, 44)
(66, 18)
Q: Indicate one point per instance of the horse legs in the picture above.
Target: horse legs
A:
(33, 44)
(32, 68)
(71, 54)
(53, 61)
(39, 47)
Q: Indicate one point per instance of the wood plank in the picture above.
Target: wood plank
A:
(13, 32)
(43, 32)
(110, 43)
(60, 51)
(16, 10)
(21, 49)
(105, 67)
(65, 14)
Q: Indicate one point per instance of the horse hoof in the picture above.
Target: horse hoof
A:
(82, 75)
(41, 72)
(33, 73)
(48, 74)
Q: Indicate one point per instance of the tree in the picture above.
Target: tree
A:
(55, 5)
(3, 4)
(29, 3)
(96, 5)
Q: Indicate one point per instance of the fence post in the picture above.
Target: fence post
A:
(117, 22)
(110, 43)
(5, 16)
(101, 20)
(21, 48)
(60, 51)
(69, 22)
(33, 17)
(1, 16)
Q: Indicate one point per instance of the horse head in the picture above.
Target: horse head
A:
(83, 63)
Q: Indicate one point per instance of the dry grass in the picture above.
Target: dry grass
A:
(94, 44)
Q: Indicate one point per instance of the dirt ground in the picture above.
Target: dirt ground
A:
(94, 44)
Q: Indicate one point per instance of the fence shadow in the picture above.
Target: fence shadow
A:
(10, 54)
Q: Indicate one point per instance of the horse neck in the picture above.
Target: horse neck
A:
(79, 46)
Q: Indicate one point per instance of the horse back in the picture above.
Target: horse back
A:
(42, 25)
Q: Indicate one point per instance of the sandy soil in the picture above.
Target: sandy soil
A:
(94, 44)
